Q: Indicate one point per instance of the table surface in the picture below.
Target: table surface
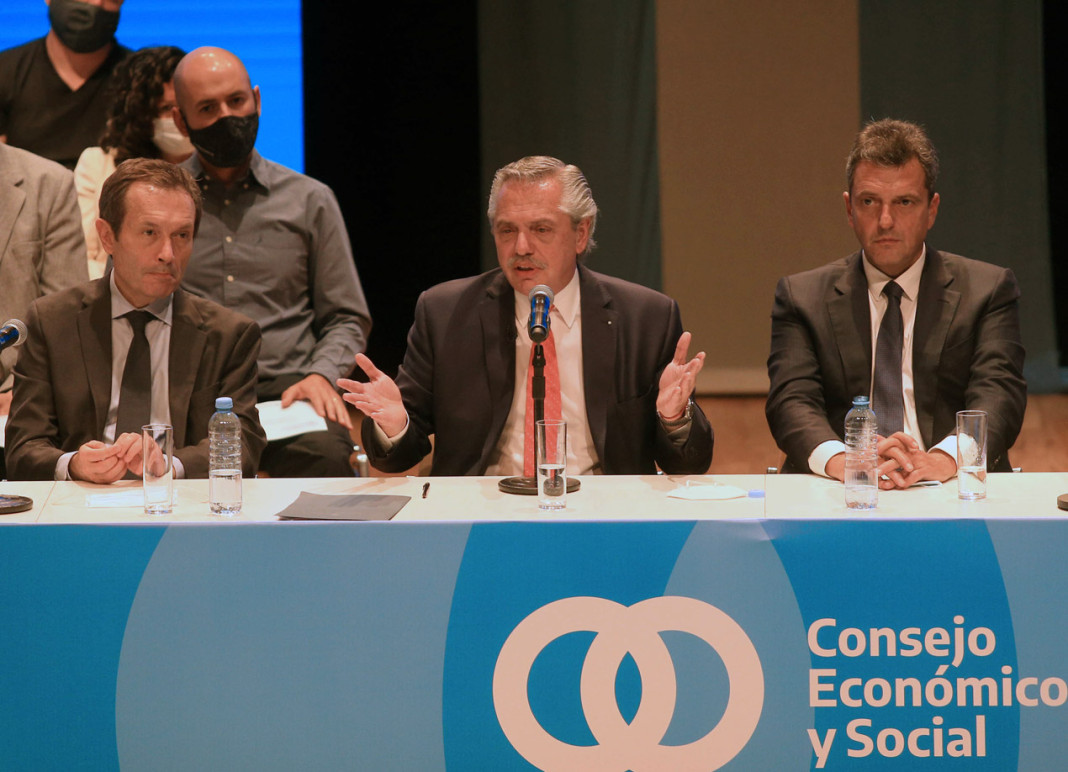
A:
(474, 499)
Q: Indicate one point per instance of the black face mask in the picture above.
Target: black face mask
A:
(228, 142)
(81, 27)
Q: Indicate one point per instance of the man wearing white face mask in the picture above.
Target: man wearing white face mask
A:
(53, 97)
(140, 125)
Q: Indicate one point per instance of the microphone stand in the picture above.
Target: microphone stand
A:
(528, 486)
(537, 384)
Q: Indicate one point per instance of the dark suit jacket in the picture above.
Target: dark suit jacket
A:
(41, 244)
(63, 379)
(966, 353)
(458, 377)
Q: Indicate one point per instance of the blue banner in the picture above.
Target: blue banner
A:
(595, 646)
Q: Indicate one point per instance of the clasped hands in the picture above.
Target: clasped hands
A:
(902, 463)
(380, 399)
(97, 462)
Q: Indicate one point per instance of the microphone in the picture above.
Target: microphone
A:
(541, 298)
(13, 334)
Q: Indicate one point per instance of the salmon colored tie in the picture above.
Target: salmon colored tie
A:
(552, 399)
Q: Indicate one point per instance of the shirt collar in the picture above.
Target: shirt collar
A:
(909, 281)
(162, 309)
(257, 172)
(566, 304)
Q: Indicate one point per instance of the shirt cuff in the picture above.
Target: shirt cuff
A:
(387, 443)
(178, 468)
(63, 467)
(949, 446)
(824, 452)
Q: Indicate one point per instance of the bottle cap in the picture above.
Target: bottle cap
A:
(1062, 501)
(224, 403)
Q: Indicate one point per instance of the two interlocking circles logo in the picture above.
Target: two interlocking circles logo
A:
(635, 630)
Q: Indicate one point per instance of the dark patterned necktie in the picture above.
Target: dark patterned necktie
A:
(887, 400)
(135, 395)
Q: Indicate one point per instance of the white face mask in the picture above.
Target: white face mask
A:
(169, 140)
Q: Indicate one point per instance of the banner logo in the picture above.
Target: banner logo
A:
(635, 630)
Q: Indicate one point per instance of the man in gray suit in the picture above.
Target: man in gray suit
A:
(41, 244)
(926, 333)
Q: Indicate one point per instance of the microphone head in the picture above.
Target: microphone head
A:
(542, 289)
(20, 331)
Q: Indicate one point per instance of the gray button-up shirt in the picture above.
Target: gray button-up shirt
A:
(274, 247)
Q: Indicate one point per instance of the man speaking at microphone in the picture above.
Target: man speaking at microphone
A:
(616, 356)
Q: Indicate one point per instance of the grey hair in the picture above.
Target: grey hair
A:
(576, 199)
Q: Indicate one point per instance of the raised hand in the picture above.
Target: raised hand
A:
(379, 399)
(677, 380)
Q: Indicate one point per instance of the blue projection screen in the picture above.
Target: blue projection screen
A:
(264, 33)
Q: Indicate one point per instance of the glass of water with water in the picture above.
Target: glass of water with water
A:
(971, 454)
(157, 459)
(550, 439)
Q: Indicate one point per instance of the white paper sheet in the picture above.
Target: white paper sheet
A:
(298, 418)
(713, 492)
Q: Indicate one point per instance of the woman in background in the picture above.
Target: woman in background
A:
(140, 125)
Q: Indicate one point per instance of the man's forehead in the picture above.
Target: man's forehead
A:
(217, 88)
(147, 201)
(868, 173)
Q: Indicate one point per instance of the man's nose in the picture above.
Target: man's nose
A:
(522, 244)
(165, 254)
(886, 219)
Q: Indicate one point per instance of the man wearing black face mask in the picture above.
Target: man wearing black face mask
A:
(53, 98)
(273, 246)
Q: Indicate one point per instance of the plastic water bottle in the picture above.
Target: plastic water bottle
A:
(861, 461)
(224, 475)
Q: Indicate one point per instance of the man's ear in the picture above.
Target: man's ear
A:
(107, 236)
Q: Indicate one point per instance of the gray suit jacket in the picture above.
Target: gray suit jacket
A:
(63, 379)
(966, 353)
(458, 377)
(41, 244)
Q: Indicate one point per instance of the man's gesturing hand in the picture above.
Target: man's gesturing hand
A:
(379, 399)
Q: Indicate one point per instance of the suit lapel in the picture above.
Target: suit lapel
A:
(851, 321)
(497, 316)
(188, 339)
(94, 334)
(936, 305)
(12, 200)
(599, 325)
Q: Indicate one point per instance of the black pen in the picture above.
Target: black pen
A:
(426, 487)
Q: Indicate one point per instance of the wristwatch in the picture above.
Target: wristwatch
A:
(685, 418)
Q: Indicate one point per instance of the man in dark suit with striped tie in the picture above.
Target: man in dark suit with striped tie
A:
(925, 333)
